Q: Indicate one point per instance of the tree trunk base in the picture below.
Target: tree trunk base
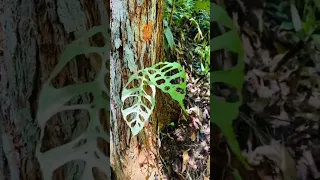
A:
(141, 159)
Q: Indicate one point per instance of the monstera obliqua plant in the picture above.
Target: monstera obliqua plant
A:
(141, 88)
(53, 101)
(222, 112)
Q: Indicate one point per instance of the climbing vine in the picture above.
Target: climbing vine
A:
(141, 88)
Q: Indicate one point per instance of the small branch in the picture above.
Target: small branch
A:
(172, 10)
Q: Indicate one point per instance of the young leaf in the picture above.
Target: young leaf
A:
(295, 18)
(170, 73)
(140, 111)
(169, 37)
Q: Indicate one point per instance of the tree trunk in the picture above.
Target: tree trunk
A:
(132, 157)
(34, 34)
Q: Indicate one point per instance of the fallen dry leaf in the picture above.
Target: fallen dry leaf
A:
(193, 136)
(185, 157)
(196, 122)
(192, 162)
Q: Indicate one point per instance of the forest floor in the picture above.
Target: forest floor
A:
(278, 125)
(185, 144)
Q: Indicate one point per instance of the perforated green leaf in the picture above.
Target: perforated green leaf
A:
(175, 80)
(169, 77)
(53, 100)
(222, 112)
(137, 114)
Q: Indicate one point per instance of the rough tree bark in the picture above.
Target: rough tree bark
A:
(34, 34)
(131, 158)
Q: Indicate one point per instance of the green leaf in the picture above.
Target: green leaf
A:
(164, 76)
(171, 73)
(203, 5)
(286, 26)
(137, 114)
(316, 39)
(219, 15)
(297, 24)
(165, 44)
(236, 174)
(169, 37)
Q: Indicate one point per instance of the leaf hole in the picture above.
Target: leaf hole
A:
(60, 172)
(130, 117)
(172, 72)
(180, 90)
(103, 146)
(133, 124)
(140, 74)
(129, 101)
(147, 77)
(97, 40)
(95, 60)
(148, 90)
(98, 174)
(159, 66)
(152, 71)
(166, 88)
(70, 73)
(135, 83)
(177, 80)
(225, 91)
(217, 29)
(146, 102)
(223, 60)
(56, 130)
(160, 81)
(143, 108)
(141, 119)
(104, 119)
